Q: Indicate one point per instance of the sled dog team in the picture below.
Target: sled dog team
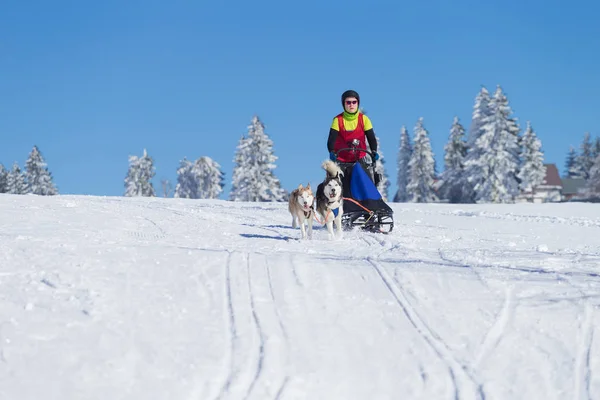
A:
(349, 127)
(326, 207)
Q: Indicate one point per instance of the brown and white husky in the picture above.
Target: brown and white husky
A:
(300, 205)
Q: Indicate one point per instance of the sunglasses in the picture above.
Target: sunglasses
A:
(351, 102)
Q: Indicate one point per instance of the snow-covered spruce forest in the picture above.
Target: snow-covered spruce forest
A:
(35, 178)
(494, 161)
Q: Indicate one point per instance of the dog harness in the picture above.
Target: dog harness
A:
(345, 138)
(336, 210)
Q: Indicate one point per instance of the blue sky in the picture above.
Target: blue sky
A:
(90, 83)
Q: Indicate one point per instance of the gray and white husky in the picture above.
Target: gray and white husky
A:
(330, 203)
(300, 205)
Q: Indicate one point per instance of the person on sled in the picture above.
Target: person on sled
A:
(347, 129)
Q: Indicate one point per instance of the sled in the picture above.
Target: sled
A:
(364, 208)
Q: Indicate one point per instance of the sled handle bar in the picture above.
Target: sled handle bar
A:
(356, 150)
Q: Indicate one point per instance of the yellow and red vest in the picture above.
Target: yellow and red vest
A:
(345, 138)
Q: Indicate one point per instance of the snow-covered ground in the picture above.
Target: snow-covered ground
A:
(122, 298)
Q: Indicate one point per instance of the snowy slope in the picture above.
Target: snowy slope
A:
(121, 298)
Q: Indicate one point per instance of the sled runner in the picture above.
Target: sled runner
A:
(363, 205)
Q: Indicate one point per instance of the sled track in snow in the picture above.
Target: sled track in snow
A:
(385, 244)
(460, 376)
(232, 328)
(587, 302)
(283, 330)
(253, 324)
(451, 262)
(236, 347)
(498, 329)
(573, 221)
(557, 274)
(261, 335)
(582, 367)
(295, 272)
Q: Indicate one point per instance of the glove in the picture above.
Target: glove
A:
(375, 156)
(332, 156)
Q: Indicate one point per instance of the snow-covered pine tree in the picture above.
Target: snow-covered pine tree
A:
(585, 160)
(570, 164)
(404, 154)
(384, 184)
(16, 181)
(532, 171)
(210, 178)
(187, 184)
(592, 189)
(269, 186)
(138, 181)
(454, 187)
(596, 148)
(497, 165)
(39, 179)
(481, 113)
(240, 179)
(202, 179)
(420, 185)
(480, 116)
(253, 177)
(3, 179)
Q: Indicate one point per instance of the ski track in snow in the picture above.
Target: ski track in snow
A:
(282, 329)
(259, 331)
(465, 385)
(583, 370)
(494, 335)
(529, 218)
(169, 298)
(232, 329)
(265, 344)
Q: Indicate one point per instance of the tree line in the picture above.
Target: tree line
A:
(492, 162)
(34, 179)
(253, 177)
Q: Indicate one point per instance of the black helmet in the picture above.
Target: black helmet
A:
(350, 93)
